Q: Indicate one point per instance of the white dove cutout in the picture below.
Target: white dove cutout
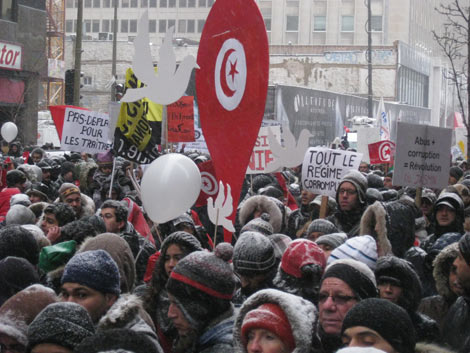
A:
(222, 208)
(169, 84)
(293, 152)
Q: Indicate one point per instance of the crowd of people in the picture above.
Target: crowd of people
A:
(378, 268)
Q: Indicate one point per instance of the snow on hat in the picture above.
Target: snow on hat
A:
(464, 247)
(356, 275)
(299, 253)
(202, 284)
(67, 189)
(95, 269)
(270, 317)
(260, 225)
(387, 319)
(184, 218)
(19, 214)
(375, 181)
(333, 240)
(17, 241)
(358, 180)
(451, 200)
(20, 199)
(321, 225)
(360, 350)
(429, 195)
(361, 248)
(331, 202)
(65, 324)
(456, 172)
(20, 310)
(280, 243)
(253, 254)
(15, 275)
(104, 158)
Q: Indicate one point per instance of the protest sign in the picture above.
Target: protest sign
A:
(180, 117)
(198, 145)
(381, 152)
(85, 131)
(262, 154)
(323, 169)
(422, 156)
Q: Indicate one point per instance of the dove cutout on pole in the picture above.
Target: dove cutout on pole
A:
(169, 84)
(293, 152)
(222, 208)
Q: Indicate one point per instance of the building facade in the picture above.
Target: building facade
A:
(23, 63)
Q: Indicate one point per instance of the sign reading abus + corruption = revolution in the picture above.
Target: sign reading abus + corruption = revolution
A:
(422, 156)
(323, 169)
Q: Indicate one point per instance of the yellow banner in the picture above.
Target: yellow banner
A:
(134, 117)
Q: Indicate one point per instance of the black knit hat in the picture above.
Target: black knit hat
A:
(374, 181)
(184, 239)
(387, 319)
(456, 172)
(260, 225)
(253, 254)
(65, 324)
(15, 176)
(17, 241)
(356, 275)
(117, 340)
(321, 225)
(202, 284)
(464, 247)
(95, 269)
(359, 181)
(15, 275)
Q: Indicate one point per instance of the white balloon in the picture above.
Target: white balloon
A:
(170, 186)
(9, 131)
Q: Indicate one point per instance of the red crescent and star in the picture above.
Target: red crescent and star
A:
(233, 71)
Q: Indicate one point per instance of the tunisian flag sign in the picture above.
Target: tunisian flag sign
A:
(381, 152)
(231, 86)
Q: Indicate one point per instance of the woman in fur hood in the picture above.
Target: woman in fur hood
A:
(278, 318)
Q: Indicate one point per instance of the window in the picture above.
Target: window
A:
(163, 3)
(134, 3)
(87, 81)
(96, 4)
(347, 23)
(172, 23)
(133, 26)
(87, 26)
(69, 4)
(183, 3)
(153, 3)
(202, 3)
(319, 23)
(69, 26)
(181, 26)
(105, 26)
(87, 3)
(125, 3)
(210, 3)
(152, 26)
(191, 26)
(144, 3)
(124, 26)
(292, 23)
(95, 26)
(162, 26)
(171, 3)
(106, 3)
(200, 25)
(191, 3)
(376, 23)
(267, 23)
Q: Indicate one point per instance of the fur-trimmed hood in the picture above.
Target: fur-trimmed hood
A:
(431, 348)
(302, 316)
(442, 265)
(84, 169)
(88, 205)
(264, 204)
(392, 224)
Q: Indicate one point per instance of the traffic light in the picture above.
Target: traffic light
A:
(68, 97)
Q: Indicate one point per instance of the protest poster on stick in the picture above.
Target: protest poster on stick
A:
(262, 154)
(323, 169)
(85, 131)
(180, 117)
(422, 156)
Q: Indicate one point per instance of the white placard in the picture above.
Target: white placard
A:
(323, 169)
(85, 131)
(422, 156)
(262, 154)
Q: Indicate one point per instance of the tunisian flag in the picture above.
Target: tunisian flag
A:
(381, 152)
(209, 185)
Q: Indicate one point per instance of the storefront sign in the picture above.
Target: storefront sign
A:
(11, 56)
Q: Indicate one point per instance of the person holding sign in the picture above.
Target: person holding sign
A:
(351, 199)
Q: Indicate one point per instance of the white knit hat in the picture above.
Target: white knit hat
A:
(361, 248)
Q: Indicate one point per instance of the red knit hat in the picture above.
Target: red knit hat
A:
(299, 253)
(270, 317)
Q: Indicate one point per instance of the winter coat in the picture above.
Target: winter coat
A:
(420, 261)
(437, 306)
(456, 328)
(88, 206)
(5, 196)
(141, 248)
(266, 205)
(302, 316)
(127, 312)
(393, 223)
(100, 179)
(347, 222)
(390, 266)
(431, 348)
(217, 337)
(297, 220)
(84, 171)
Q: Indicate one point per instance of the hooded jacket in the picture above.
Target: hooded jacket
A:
(264, 204)
(302, 316)
(456, 325)
(437, 306)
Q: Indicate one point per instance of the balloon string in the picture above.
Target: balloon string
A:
(155, 226)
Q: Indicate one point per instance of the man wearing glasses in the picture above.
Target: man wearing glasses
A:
(351, 200)
(344, 283)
